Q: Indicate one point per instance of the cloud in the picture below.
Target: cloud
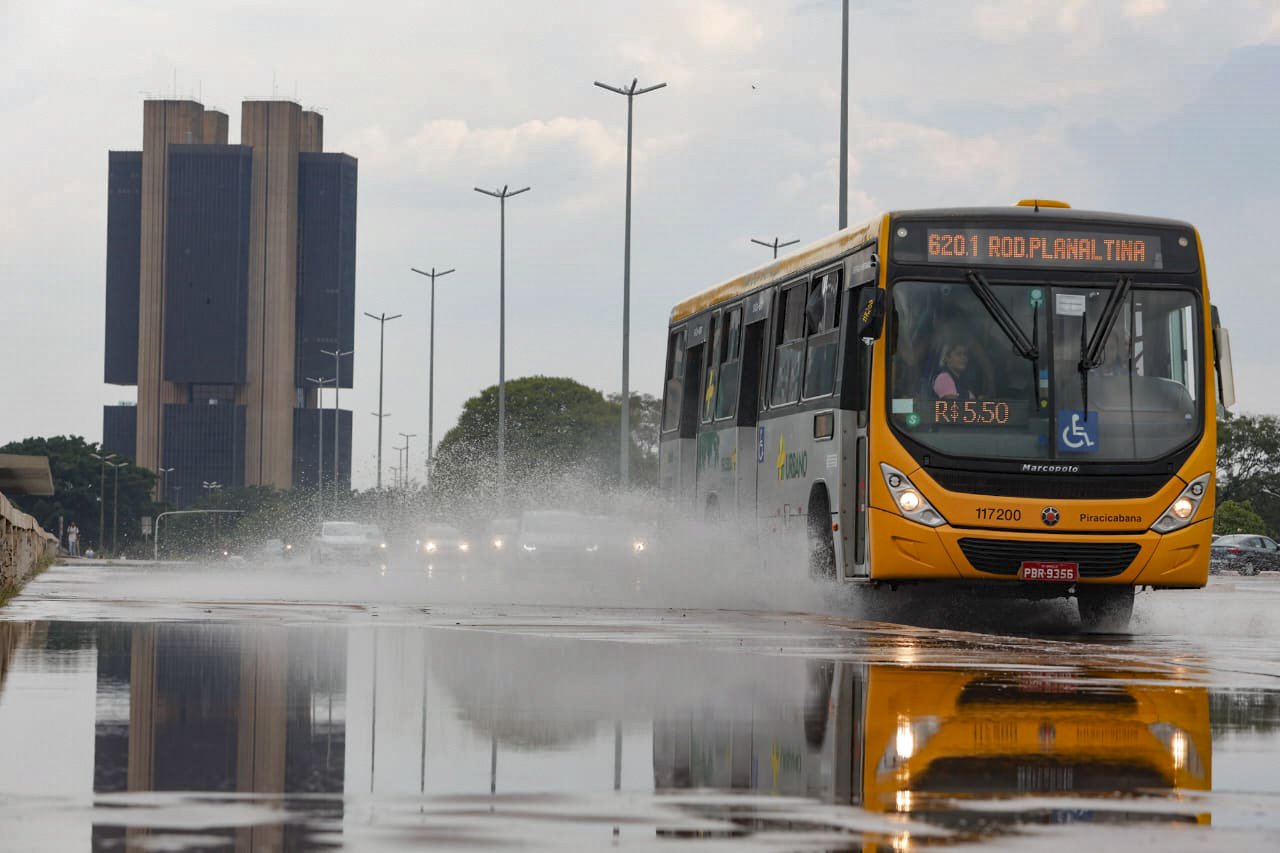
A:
(719, 26)
(1145, 8)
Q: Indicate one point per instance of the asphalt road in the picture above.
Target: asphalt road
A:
(636, 705)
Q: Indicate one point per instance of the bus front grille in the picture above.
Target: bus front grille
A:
(1006, 556)
(1115, 487)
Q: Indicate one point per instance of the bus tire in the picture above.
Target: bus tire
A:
(822, 543)
(1105, 609)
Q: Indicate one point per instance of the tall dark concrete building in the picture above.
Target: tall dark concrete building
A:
(230, 268)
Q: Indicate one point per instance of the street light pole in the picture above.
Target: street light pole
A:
(844, 116)
(320, 383)
(102, 498)
(338, 355)
(431, 371)
(502, 195)
(406, 436)
(380, 414)
(164, 483)
(624, 469)
(115, 507)
(775, 245)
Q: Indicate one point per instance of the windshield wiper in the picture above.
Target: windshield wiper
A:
(1027, 348)
(1092, 348)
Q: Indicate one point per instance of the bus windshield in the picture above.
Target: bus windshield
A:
(960, 386)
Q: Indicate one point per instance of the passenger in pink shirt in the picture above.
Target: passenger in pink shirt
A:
(951, 383)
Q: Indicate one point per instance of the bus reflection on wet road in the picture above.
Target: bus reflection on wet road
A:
(543, 729)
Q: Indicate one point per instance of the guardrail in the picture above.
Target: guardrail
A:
(24, 545)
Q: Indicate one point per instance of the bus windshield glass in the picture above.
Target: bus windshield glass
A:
(959, 385)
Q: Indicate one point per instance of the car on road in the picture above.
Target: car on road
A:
(501, 535)
(347, 540)
(443, 542)
(555, 534)
(1245, 553)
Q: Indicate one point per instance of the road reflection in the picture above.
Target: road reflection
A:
(327, 726)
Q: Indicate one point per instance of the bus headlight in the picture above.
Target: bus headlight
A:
(1181, 512)
(908, 499)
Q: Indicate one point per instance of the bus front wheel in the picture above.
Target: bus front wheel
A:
(822, 544)
(1105, 609)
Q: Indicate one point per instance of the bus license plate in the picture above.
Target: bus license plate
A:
(1037, 571)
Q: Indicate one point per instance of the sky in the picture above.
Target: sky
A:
(1155, 107)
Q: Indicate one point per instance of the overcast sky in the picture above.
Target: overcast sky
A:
(1142, 106)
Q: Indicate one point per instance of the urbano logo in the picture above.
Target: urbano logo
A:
(1030, 468)
(1050, 516)
(790, 465)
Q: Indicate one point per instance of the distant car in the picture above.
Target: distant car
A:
(502, 535)
(339, 540)
(621, 537)
(440, 541)
(1245, 553)
(556, 534)
(275, 549)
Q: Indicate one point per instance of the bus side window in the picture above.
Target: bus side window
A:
(730, 347)
(788, 359)
(822, 312)
(710, 383)
(674, 382)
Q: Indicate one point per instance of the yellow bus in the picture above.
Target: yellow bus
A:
(925, 742)
(1023, 397)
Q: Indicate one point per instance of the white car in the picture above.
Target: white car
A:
(338, 540)
(556, 535)
(440, 541)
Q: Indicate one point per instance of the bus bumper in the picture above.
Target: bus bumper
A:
(904, 550)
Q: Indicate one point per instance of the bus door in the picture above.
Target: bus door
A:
(679, 413)
(711, 496)
(863, 320)
(726, 472)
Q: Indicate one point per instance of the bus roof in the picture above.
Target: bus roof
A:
(837, 244)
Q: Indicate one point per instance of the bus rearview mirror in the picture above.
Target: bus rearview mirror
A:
(870, 313)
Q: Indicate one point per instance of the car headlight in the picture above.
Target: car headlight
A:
(529, 547)
(637, 546)
(464, 546)
(498, 543)
(908, 499)
(288, 547)
(1183, 509)
(591, 549)
(431, 547)
(382, 545)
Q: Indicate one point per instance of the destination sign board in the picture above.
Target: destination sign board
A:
(1051, 248)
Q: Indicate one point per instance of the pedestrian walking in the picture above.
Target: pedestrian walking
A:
(73, 540)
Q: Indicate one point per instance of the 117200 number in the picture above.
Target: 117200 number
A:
(997, 513)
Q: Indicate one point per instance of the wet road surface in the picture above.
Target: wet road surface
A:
(267, 707)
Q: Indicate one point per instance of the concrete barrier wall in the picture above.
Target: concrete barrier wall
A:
(24, 545)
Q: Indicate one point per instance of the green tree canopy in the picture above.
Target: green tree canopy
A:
(557, 428)
(1238, 517)
(78, 479)
(1249, 465)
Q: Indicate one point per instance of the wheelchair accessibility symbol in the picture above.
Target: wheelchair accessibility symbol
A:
(1078, 432)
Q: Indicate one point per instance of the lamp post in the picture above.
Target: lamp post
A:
(320, 383)
(164, 482)
(115, 506)
(102, 497)
(338, 355)
(406, 469)
(624, 470)
(844, 116)
(381, 415)
(775, 245)
(431, 370)
(502, 195)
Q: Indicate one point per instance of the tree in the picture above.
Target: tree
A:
(558, 430)
(77, 480)
(1238, 517)
(1248, 454)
